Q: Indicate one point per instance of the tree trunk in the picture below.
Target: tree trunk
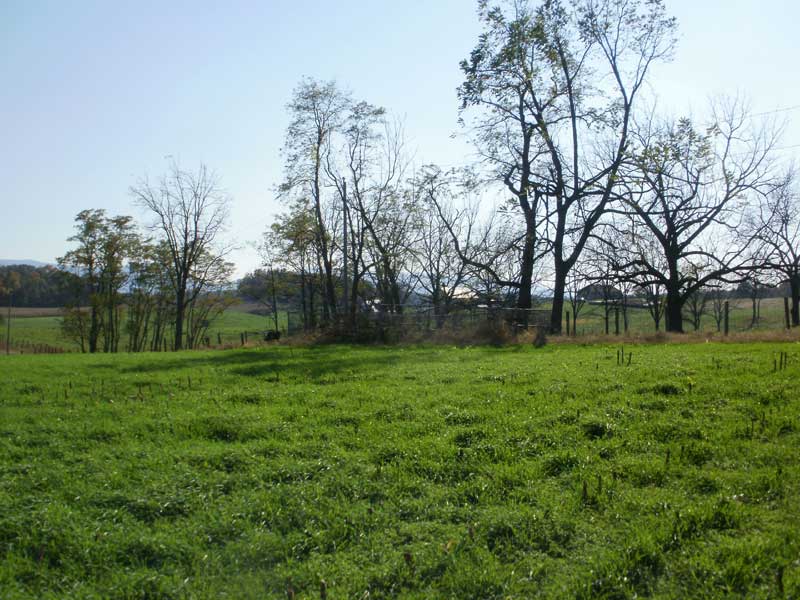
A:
(558, 298)
(303, 295)
(94, 330)
(674, 312)
(526, 267)
(180, 309)
(794, 285)
(330, 289)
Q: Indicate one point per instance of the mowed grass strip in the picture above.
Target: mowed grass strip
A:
(426, 472)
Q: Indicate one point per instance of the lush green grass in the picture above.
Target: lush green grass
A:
(36, 330)
(425, 472)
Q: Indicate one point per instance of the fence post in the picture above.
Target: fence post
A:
(727, 317)
(786, 312)
(616, 320)
(219, 339)
(241, 337)
(567, 312)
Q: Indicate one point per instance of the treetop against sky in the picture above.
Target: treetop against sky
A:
(95, 95)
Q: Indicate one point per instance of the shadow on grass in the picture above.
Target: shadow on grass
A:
(290, 363)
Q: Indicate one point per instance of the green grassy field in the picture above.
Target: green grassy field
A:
(771, 317)
(422, 472)
(27, 330)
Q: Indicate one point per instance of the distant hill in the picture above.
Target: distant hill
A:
(6, 262)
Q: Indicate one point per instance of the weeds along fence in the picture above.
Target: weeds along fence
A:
(427, 321)
(26, 347)
(413, 321)
(594, 319)
(422, 322)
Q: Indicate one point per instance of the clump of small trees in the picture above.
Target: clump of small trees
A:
(156, 290)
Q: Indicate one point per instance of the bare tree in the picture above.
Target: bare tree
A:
(374, 165)
(775, 225)
(190, 211)
(717, 296)
(150, 306)
(575, 297)
(558, 85)
(491, 249)
(689, 190)
(440, 274)
(697, 306)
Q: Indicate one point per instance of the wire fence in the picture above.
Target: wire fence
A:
(744, 315)
(418, 321)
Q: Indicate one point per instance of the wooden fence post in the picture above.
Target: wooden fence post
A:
(567, 322)
(786, 312)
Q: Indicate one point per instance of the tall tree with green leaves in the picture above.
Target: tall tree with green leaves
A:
(317, 112)
(104, 245)
(552, 86)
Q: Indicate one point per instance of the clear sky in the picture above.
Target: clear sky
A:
(95, 94)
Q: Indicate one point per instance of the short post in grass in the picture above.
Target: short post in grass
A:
(726, 317)
(219, 339)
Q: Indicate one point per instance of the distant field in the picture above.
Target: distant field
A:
(591, 321)
(43, 326)
(417, 472)
(17, 313)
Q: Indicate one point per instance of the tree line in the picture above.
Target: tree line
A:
(580, 181)
(39, 287)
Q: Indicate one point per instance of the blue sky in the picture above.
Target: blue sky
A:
(94, 95)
